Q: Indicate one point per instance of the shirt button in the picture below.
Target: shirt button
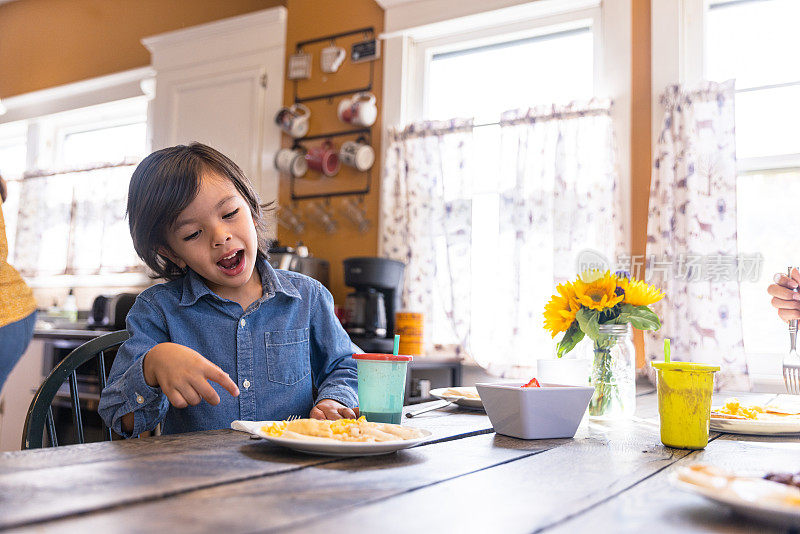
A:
(243, 322)
(246, 384)
(139, 399)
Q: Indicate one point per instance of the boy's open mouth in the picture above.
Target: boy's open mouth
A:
(233, 263)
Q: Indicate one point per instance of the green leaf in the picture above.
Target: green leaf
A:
(572, 337)
(588, 321)
(640, 317)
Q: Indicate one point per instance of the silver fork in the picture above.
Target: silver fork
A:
(290, 418)
(791, 364)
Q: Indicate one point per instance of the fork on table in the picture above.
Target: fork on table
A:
(288, 419)
(791, 364)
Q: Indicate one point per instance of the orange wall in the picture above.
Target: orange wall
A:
(82, 39)
(641, 151)
(45, 43)
(310, 19)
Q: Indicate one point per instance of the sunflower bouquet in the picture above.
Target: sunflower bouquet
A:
(584, 308)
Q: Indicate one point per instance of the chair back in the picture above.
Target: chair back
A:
(40, 412)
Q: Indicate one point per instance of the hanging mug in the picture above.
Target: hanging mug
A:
(331, 58)
(293, 120)
(324, 158)
(360, 110)
(291, 161)
(357, 154)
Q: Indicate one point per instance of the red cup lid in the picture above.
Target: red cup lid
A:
(383, 357)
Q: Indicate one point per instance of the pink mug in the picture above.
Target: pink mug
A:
(324, 158)
(360, 110)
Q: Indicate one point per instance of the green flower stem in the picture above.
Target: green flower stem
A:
(606, 390)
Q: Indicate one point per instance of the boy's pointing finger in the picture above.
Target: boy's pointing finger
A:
(223, 379)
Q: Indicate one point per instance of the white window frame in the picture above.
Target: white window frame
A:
(51, 114)
(679, 56)
(413, 29)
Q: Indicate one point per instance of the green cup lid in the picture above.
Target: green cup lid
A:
(685, 366)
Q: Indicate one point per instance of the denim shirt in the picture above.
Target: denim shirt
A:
(283, 344)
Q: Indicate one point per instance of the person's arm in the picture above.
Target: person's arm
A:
(127, 394)
(166, 369)
(332, 363)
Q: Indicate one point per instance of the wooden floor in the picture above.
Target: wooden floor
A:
(609, 478)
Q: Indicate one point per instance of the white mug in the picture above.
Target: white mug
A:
(293, 120)
(357, 154)
(360, 110)
(291, 161)
(331, 58)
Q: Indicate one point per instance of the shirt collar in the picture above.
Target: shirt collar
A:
(272, 282)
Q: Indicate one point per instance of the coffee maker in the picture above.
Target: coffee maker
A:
(369, 310)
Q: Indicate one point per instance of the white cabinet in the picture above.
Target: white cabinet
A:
(15, 399)
(221, 84)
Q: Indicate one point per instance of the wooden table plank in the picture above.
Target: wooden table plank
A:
(654, 501)
(51, 483)
(527, 494)
(432, 485)
(286, 499)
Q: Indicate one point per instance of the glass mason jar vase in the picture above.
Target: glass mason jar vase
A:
(613, 373)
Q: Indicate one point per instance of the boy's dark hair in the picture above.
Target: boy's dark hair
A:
(164, 184)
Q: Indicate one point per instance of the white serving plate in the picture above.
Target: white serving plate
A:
(785, 515)
(441, 393)
(328, 447)
(755, 427)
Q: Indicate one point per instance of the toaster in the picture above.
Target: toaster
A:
(109, 311)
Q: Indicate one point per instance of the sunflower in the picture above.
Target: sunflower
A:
(560, 312)
(639, 293)
(599, 294)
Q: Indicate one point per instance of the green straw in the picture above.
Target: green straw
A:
(666, 350)
(396, 344)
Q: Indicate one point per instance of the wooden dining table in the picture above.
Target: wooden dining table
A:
(611, 477)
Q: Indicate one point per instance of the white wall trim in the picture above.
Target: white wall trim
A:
(678, 52)
(415, 15)
(221, 39)
(85, 93)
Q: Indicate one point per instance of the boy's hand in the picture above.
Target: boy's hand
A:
(330, 409)
(183, 375)
(784, 295)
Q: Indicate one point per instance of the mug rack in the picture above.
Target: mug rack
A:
(298, 143)
(367, 33)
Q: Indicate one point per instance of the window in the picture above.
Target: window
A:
(68, 177)
(481, 77)
(752, 42)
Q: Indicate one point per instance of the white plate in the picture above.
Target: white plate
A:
(440, 393)
(328, 447)
(768, 512)
(755, 427)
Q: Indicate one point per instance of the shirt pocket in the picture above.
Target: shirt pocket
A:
(287, 356)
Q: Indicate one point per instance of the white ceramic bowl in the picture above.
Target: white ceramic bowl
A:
(551, 411)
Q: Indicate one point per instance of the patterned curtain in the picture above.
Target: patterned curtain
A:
(426, 220)
(73, 222)
(489, 219)
(691, 233)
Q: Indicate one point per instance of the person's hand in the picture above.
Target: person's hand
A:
(183, 375)
(330, 409)
(784, 296)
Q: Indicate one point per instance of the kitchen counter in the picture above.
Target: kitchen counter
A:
(611, 477)
(65, 333)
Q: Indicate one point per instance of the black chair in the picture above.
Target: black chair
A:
(41, 411)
